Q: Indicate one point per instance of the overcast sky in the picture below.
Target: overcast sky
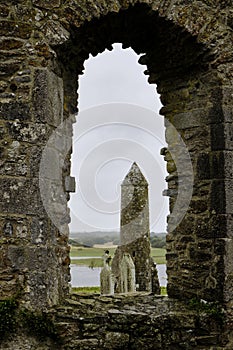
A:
(118, 123)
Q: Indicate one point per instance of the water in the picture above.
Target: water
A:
(83, 276)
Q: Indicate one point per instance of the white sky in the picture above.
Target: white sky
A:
(118, 123)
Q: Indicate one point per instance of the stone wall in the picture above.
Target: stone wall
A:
(187, 48)
(136, 321)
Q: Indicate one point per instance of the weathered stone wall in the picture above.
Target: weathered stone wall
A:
(136, 321)
(31, 107)
(188, 53)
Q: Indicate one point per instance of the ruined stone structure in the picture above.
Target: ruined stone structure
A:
(134, 207)
(135, 232)
(187, 47)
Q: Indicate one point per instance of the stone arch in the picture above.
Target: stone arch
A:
(189, 57)
(181, 61)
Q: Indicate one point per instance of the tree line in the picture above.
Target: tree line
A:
(88, 239)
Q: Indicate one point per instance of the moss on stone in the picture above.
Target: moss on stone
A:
(210, 308)
(38, 324)
(7, 317)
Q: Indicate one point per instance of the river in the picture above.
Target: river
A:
(84, 276)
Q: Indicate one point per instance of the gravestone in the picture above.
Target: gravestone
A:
(127, 274)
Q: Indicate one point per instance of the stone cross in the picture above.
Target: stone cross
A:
(106, 276)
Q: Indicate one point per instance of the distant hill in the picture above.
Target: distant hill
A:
(158, 240)
(158, 234)
(96, 237)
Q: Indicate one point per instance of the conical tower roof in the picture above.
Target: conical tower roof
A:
(134, 177)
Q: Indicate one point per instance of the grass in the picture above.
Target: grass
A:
(86, 289)
(158, 254)
(163, 290)
(88, 262)
(90, 251)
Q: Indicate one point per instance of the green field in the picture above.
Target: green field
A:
(86, 290)
(158, 254)
(163, 290)
(90, 251)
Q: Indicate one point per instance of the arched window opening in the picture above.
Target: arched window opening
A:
(117, 124)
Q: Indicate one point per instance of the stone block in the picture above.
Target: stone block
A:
(39, 231)
(19, 168)
(171, 256)
(228, 112)
(228, 269)
(13, 226)
(48, 97)
(38, 288)
(4, 10)
(20, 196)
(218, 197)
(31, 133)
(8, 69)
(203, 166)
(51, 166)
(228, 164)
(15, 110)
(186, 227)
(83, 344)
(228, 136)
(10, 44)
(229, 196)
(116, 340)
(227, 105)
(70, 184)
(10, 28)
(23, 12)
(217, 165)
(18, 257)
(22, 229)
(201, 256)
(216, 113)
(198, 206)
(40, 258)
(46, 4)
(218, 226)
(217, 137)
(210, 166)
(207, 340)
(34, 160)
(14, 159)
(191, 119)
(55, 33)
(222, 136)
(229, 225)
(219, 246)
